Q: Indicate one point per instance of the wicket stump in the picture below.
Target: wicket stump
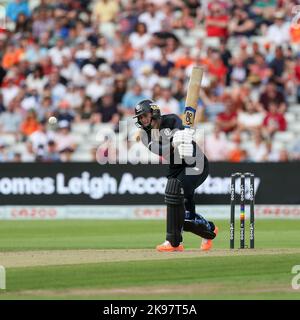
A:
(242, 177)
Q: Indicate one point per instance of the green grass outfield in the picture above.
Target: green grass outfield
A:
(117, 260)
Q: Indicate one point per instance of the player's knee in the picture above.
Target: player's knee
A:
(174, 193)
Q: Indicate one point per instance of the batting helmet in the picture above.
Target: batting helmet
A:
(146, 106)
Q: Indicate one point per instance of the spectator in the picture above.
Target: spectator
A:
(272, 94)
(64, 112)
(273, 155)
(30, 124)
(107, 109)
(257, 150)
(140, 38)
(5, 155)
(251, 117)
(138, 63)
(65, 155)
(105, 10)
(238, 72)
(277, 66)
(23, 24)
(120, 65)
(96, 85)
(279, 31)
(184, 60)
(10, 89)
(51, 154)
(56, 53)
(179, 93)
(153, 52)
(148, 79)
(11, 119)
(82, 51)
(156, 92)
(216, 22)
(34, 53)
(171, 47)
(15, 7)
(164, 66)
(236, 152)
(225, 53)
(216, 67)
(264, 8)
(40, 138)
(87, 112)
(128, 18)
(274, 121)
(74, 95)
(69, 71)
(227, 120)
(167, 103)
(120, 88)
(131, 99)
(17, 157)
(241, 24)
(216, 145)
(94, 59)
(152, 18)
(46, 109)
(183, 19)
(12, 56)
(28, 155)
(42, 23)
(259, 72)
(57, 89)
(63, 137)
(213, 104)
(36, 80)
(105, 50)
(30, 100)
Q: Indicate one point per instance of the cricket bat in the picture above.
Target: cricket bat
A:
(192, 97)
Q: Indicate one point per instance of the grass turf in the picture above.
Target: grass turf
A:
(226, 277)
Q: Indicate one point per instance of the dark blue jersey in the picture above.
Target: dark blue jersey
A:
(160, 142)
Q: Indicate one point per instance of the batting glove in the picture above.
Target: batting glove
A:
(182, 137)
(185, 150)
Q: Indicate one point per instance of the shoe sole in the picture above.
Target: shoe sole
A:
(170, 249)
(216, 231)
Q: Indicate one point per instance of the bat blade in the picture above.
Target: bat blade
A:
(192, 97)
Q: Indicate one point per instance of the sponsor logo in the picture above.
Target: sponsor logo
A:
(296, 278)
(167, 132)
(2, 278)
(231, 231)
(96, 187)
(33, 213)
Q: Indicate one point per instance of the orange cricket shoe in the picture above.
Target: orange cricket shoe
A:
(207, 244)
(167, 247)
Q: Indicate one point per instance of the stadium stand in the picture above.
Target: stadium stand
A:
(71, 70)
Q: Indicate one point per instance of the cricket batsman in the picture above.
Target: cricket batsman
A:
(166, 136)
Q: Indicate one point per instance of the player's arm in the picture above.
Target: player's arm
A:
(183, 139)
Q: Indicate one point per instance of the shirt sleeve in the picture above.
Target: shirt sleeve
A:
(158, 147)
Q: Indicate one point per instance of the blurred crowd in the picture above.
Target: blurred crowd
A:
(70, 66)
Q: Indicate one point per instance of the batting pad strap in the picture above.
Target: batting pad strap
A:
(174, 193)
